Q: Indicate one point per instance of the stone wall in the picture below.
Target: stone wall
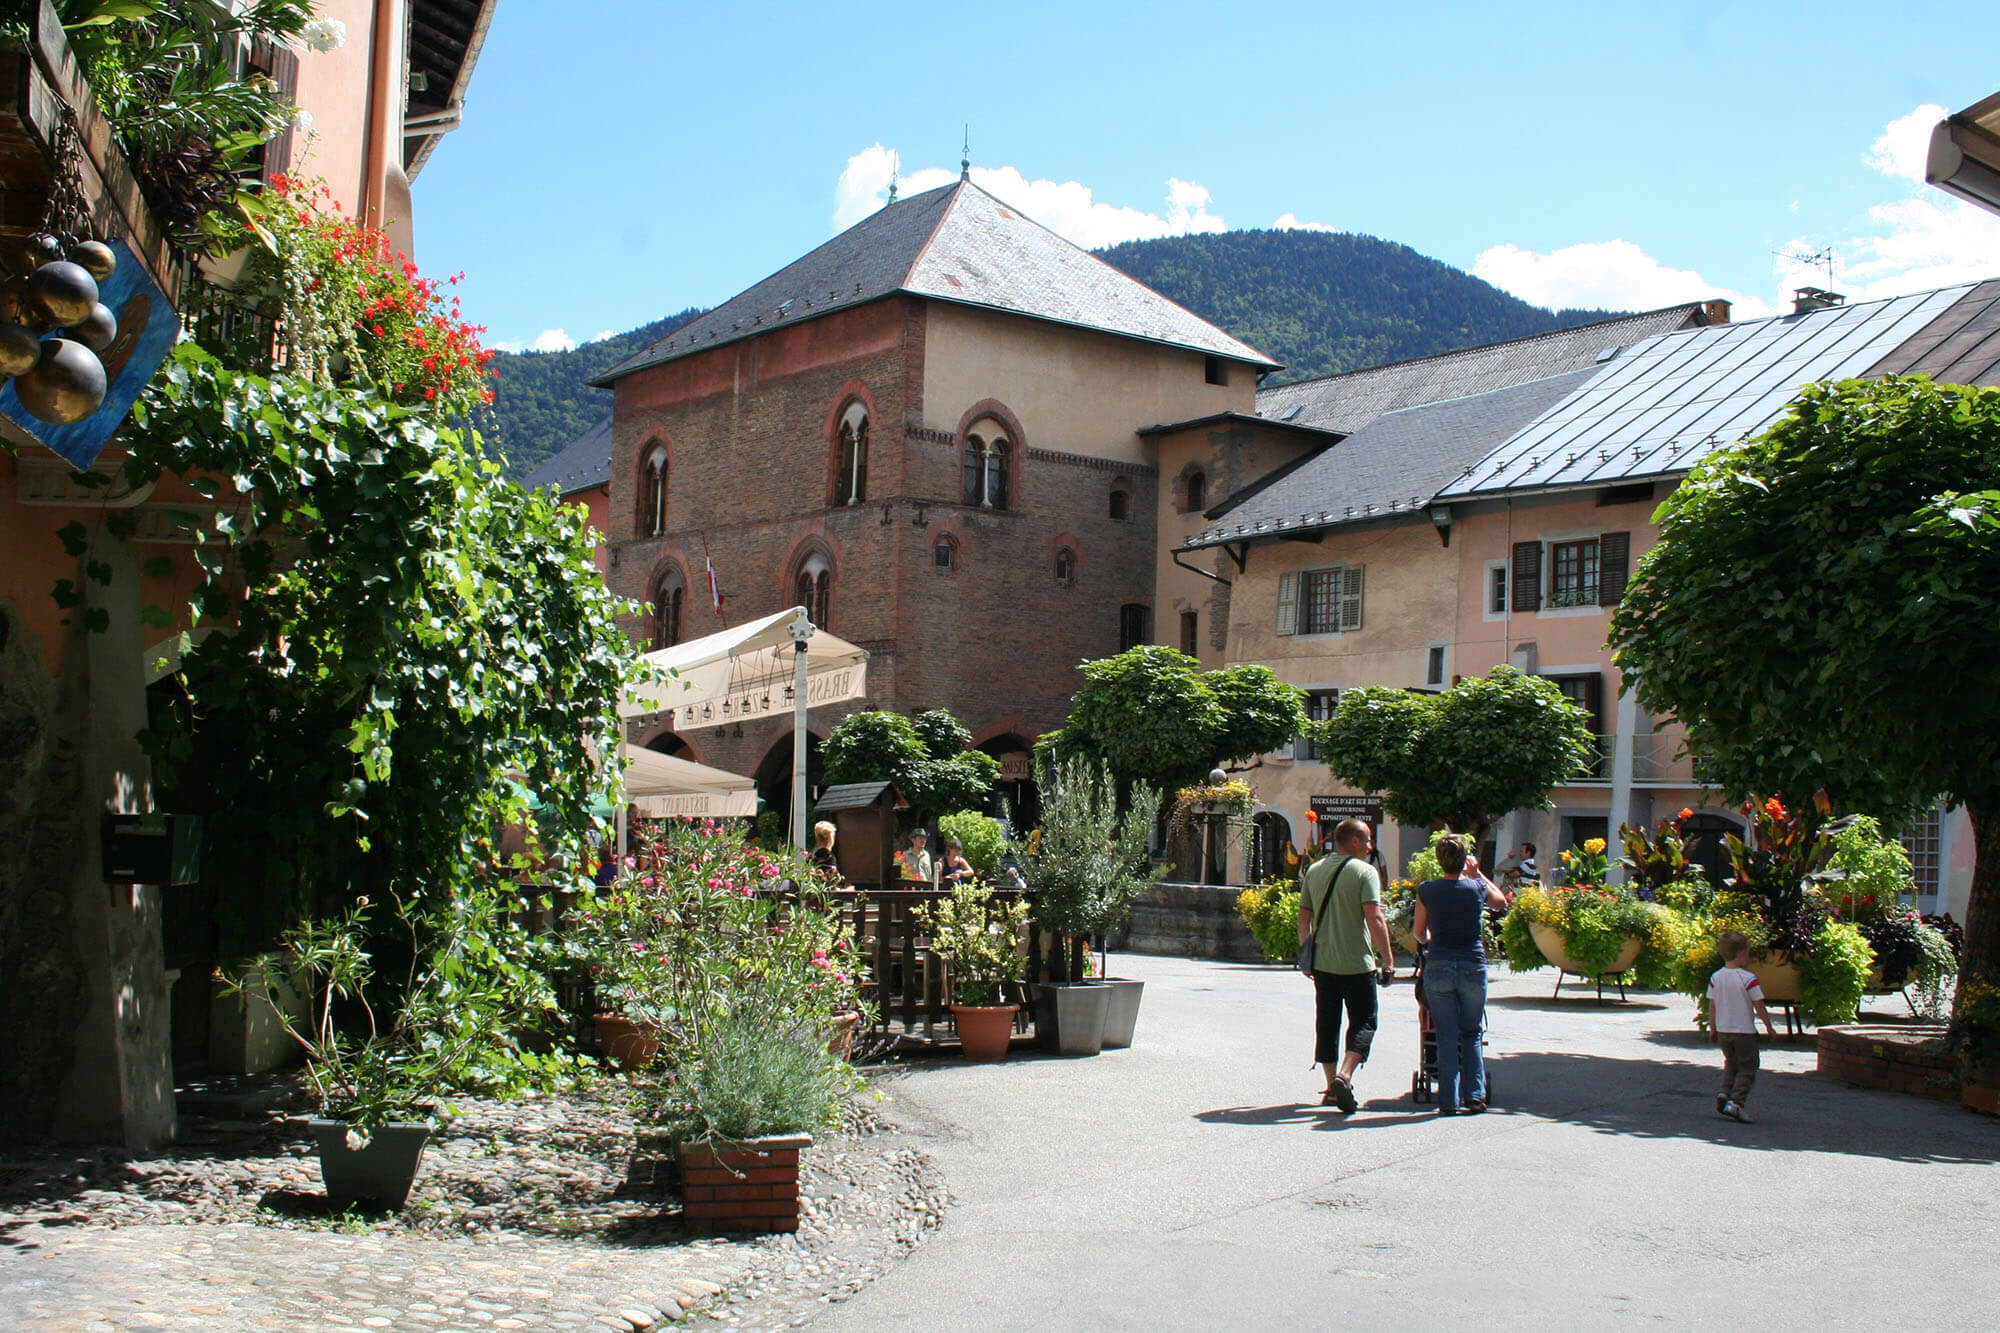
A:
(1910, 1059)
(1189, 921)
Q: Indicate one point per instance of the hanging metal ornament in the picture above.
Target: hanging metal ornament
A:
(20, 348)
(96, 331)
(64, 291)
(66, 385)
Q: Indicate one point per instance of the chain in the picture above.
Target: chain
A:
(67, 217)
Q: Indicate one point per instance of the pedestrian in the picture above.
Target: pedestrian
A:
(954, 869)
(1340, 907)
(1735, 1004)
(822, 852)
(1449, 914)
(917, 861)
(1525, 869)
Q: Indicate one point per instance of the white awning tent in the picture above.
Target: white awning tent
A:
(782, 663)
(660, 786)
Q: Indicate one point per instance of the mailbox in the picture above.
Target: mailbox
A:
(152, 849)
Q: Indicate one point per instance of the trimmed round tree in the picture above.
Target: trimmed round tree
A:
(1819, 613)
(1498, 742)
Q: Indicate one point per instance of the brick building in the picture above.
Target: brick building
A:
(928, 431)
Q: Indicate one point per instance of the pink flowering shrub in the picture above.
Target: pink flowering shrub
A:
(698, 924)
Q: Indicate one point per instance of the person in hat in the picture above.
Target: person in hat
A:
(917, 861)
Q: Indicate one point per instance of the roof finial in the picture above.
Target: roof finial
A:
(965, 161)
(895, 166)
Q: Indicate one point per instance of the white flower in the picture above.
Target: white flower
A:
(302, 121)
(324, 34)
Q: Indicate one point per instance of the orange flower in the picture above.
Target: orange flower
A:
(1687, 812)
(1774, 808)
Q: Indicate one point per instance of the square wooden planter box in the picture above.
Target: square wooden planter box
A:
(742, 1185)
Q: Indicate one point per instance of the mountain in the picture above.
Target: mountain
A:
(1318, 302)
(1323, 302)
(543, 400)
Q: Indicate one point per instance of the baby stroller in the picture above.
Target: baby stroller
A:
(1423, 1083)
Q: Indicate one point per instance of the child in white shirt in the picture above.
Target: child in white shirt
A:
(1735, 1003)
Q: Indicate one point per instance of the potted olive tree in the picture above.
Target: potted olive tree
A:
(383, 1051)
(1084, 863)
(978, 938)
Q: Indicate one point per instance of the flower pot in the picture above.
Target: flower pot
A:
(841, 1044)
(1776, 974)
(379, 1174)
(627, 1044)
(1551, 944)
(984, 1031)
(1069, 1019)
(745, 1185)
(1980, 1095)
(1121, 1011)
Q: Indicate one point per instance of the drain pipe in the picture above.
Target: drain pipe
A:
(1175, 555)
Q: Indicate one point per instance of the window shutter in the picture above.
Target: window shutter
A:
(1288, 603)
(1350, 598)
(283, 64)
(1614, 566)
(1527, 576)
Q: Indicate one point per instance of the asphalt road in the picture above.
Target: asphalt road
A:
(1193, 1181)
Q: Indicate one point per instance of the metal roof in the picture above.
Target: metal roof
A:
(1659, 408)
(956, 243)
(1391, 467)
(582, 463)
(1349, 401)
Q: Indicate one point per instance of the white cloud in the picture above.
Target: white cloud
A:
(1290, 222)
(601, 335)
(548, 340)
(1068, 208)
(1925, 239)
(1598, 275)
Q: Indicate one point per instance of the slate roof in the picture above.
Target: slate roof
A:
(956, 243)
(1392, 466)
(1659, 408)
(582, 463)
(1349, 401)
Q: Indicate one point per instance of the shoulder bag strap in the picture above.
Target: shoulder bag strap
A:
(1331, 880)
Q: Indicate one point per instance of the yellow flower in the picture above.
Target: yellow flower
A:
(1595, 846)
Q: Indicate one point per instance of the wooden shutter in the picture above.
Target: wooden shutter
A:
(1527, 576)
(283, 66)
(1288, 603)
(1614, 566)
(1350, 597)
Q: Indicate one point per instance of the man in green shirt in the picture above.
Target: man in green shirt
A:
(1341, 907)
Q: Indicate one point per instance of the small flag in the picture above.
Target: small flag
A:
(714, 588)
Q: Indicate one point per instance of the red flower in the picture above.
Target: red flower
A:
(1687, 812)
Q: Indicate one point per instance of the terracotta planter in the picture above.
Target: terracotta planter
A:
(841, 1043)
(1776, 974)
(627, 1044)
(1551, 945)
(984, 1031)
(742, 1184)
(378, 1175)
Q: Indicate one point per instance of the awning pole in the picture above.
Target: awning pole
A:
(802, 630)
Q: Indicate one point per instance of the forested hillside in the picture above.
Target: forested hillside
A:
(1318, 302)
(543, 400)
(1323, 302)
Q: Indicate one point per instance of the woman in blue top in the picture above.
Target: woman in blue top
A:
(1449, 913)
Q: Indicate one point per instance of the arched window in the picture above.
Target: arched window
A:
(814, 588)
(944, 552)
(851, 486)
(669, 595)
(1121, 504)
(1197, 490)
(987, 454)
(653, 492)
(1065, 567)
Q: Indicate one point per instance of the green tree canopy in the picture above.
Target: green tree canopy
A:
(1819, 613)
(1151, 715)
(925, 759)
(1498, 742)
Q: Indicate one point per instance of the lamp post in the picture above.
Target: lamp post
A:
(801, 630)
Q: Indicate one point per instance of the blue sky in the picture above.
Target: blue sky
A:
(621, 161)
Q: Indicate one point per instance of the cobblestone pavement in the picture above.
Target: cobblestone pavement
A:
(531, 1215)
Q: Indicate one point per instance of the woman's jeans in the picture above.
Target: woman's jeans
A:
(1456, 996)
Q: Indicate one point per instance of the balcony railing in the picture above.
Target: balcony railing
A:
(1657, 757)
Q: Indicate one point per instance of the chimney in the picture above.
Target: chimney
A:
(1715, 311)
(1805, 300)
